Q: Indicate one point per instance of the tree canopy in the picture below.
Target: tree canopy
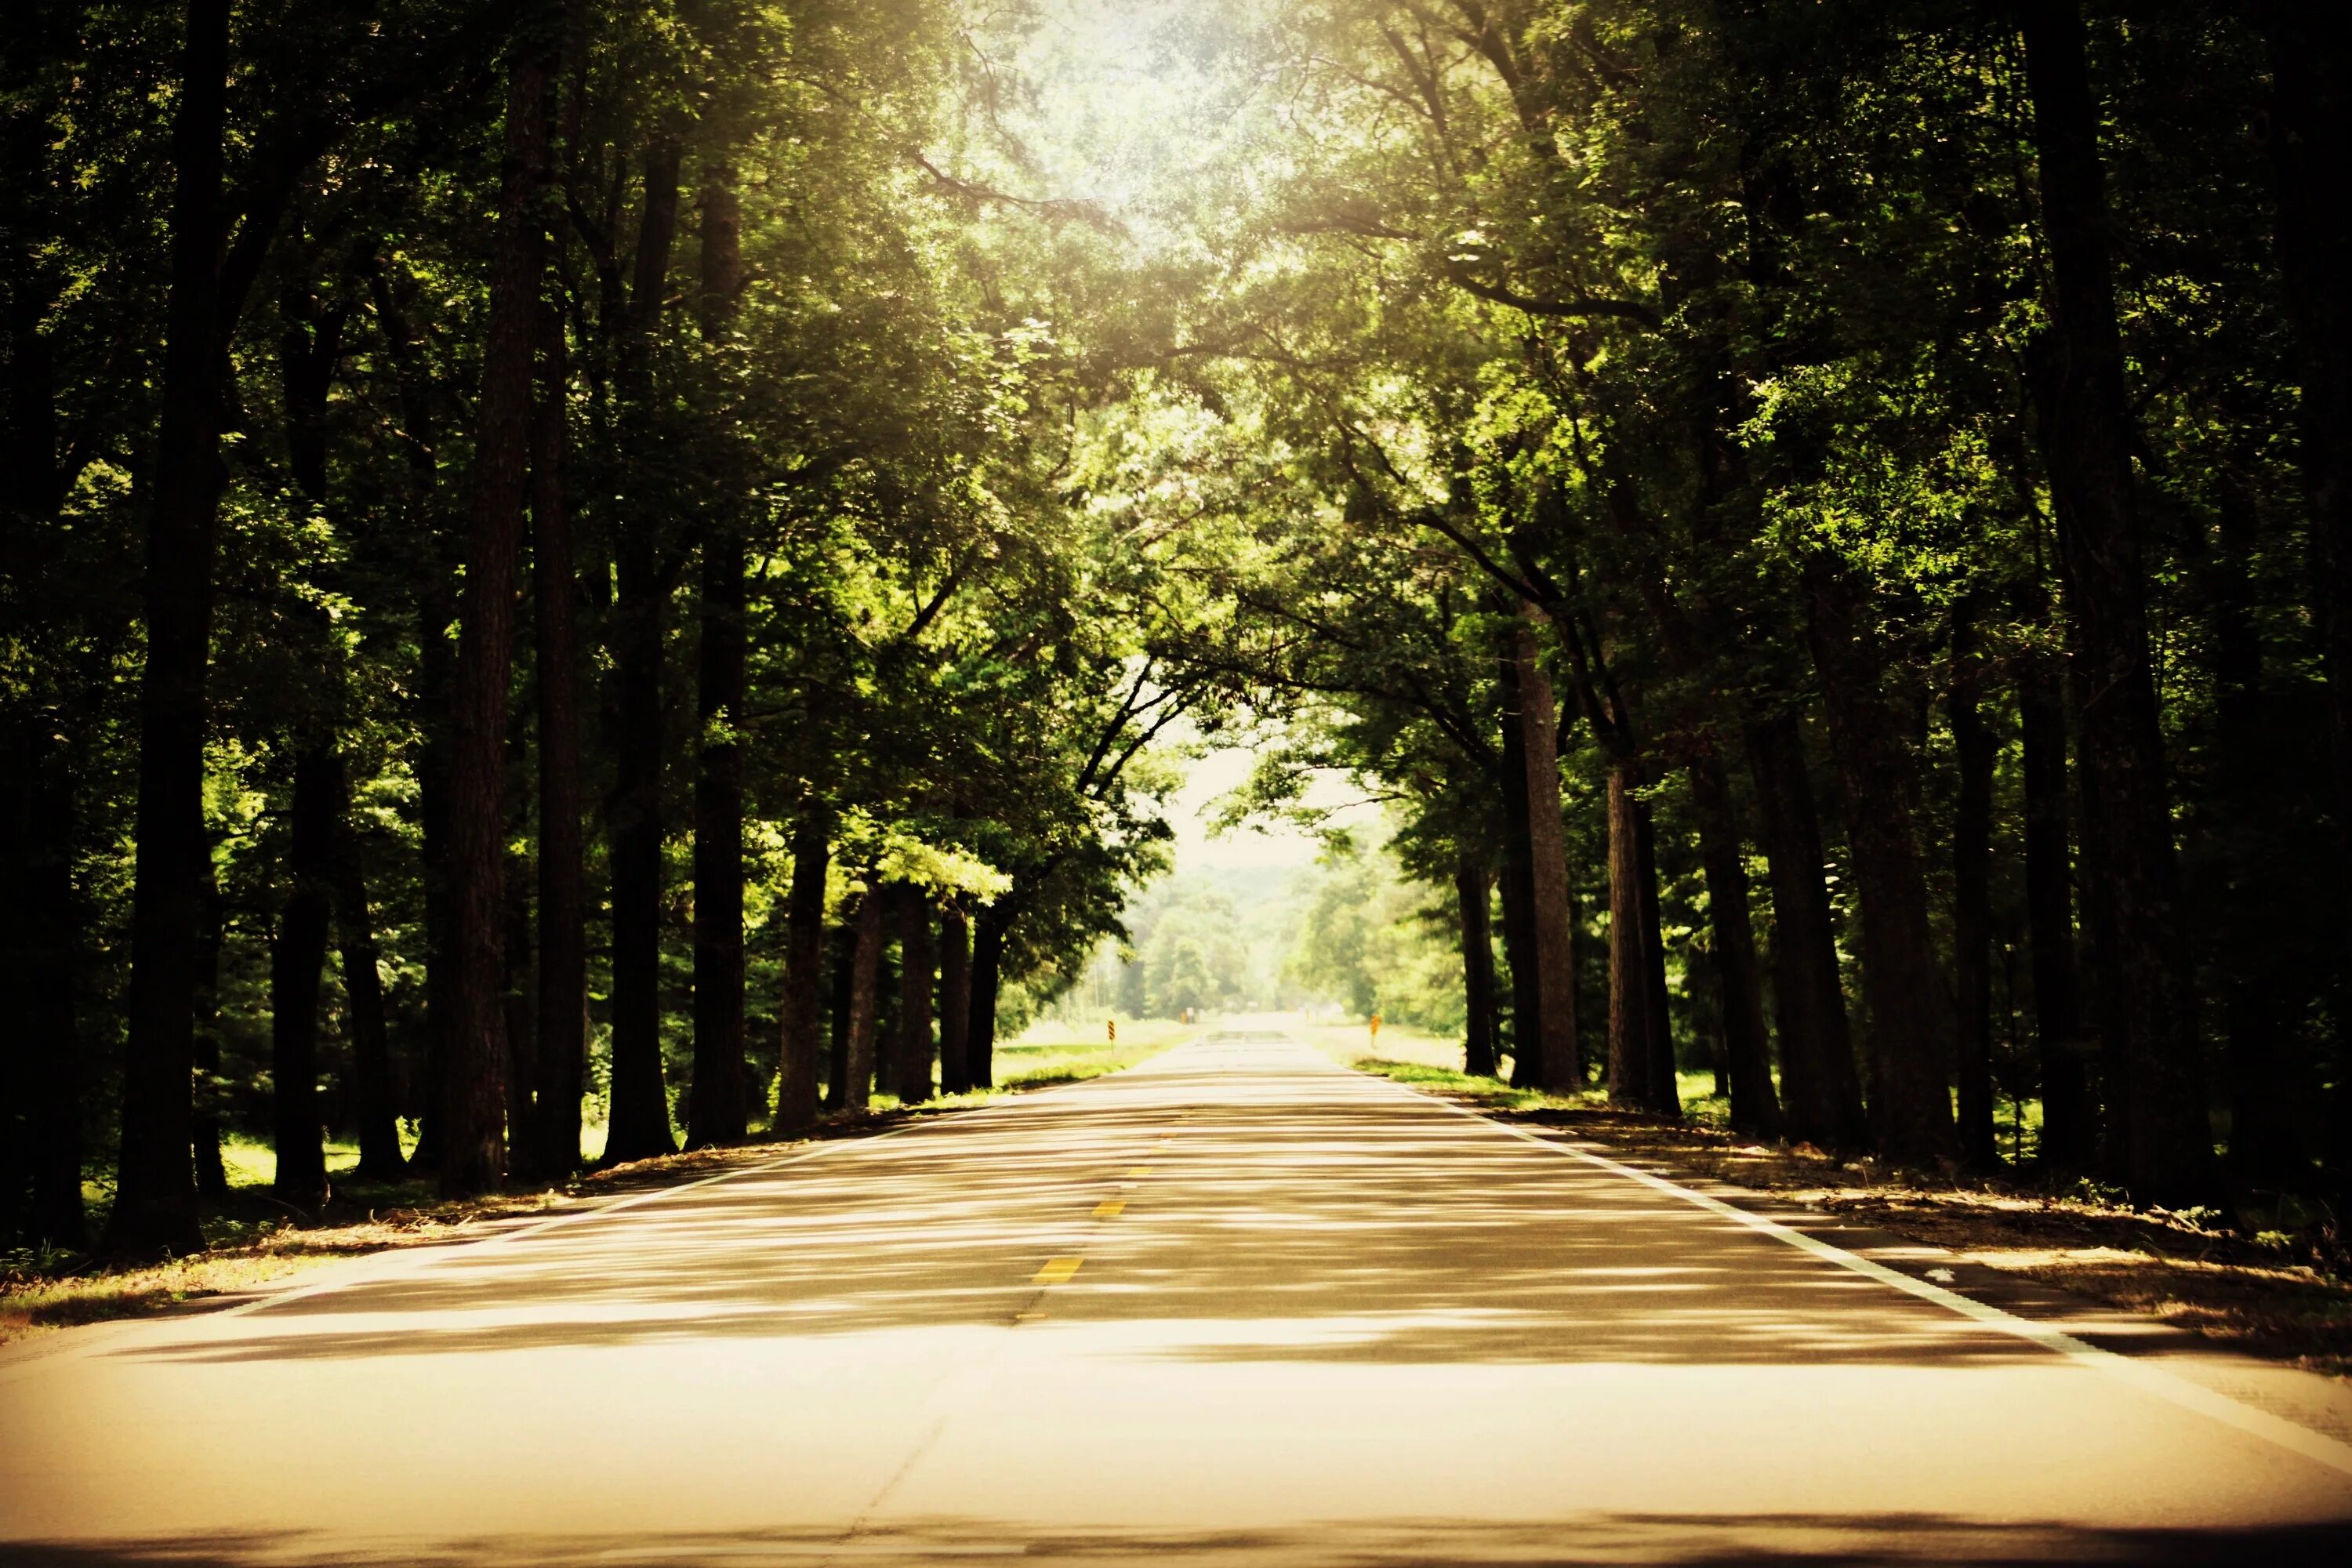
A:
(556, 549)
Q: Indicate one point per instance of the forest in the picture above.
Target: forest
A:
(585, 577)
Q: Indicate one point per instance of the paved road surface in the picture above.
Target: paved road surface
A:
(1235, 1306)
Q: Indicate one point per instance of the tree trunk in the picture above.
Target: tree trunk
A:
(719, 1105)
(2248, 943)
(372, 1104)
(804, 999)
(1517, 889)
(435, 680)
(640, 1125)
(845, 988)
(2069, 1115)
(858, 1072)
(2314, 244)
(1548, 929)
(1665, 1090)
(298, 958)
(640, 1105)
(1738, 984)
(435, 611)
(1972, 743)
(918, 974)
(1629, 988)
(155, 1195)
(955, 1000)
(987, 963)
(2148, 1039)
(212, 922)
(1470, 884)
(563, 1000)
(517, 997)
(1820, 1091)
(473, 1111)
(1909, 1043)
(41, 969)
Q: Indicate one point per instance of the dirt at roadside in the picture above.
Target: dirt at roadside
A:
(256, 1246)
(2283, 1297)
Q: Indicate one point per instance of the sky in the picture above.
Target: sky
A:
(1283, 845)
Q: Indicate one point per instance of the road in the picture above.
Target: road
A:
(1236, 1306)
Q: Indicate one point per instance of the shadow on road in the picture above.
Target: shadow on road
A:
(1685, 1541)
(1290, 1222)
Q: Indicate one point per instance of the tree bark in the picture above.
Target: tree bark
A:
(955, 1000)
(1908, 1030)
(918, 967)
(2159, 1133)
(987, 964)
(435, 611)
(845, 987)
(298, 958)
(1740, 990)
(563, 992)
(804, 999)
(1471, 881)
(1548, 929)
(640, 1119)
(155, 1195)
(42, 1121)
(374, 1106)
(2307, 131)
(2246, 945)
(719, 1104)
(1665, 1090)
(435, 682)
(212, 922)
(858, 1072)
(518, 997)
(473, 1110)
(1821, 1090)
(2069, 1114)
(1629, 989)
(1975, 750)
(1518, 892)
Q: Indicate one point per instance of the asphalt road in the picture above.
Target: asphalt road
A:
(1238, 1305)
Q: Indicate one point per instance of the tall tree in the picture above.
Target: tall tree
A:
(155, 1197)
(2157, 1136)
(473, 1090)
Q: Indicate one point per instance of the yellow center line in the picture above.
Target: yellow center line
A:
(1056, 1271)
(1140, 1171)
(1110, 1208)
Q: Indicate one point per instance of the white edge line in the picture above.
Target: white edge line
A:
(2180, 1390)
(397, 1261)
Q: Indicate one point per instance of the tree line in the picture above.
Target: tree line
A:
(1857, 484)
(540, 547)
(560, 538)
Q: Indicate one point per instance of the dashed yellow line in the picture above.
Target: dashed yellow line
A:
(1110, 1208)
(1140, 1171)
(1056, 1271)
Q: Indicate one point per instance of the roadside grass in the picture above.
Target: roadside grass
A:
(255, 1244)
(1050, 1053)
(2276, 1285)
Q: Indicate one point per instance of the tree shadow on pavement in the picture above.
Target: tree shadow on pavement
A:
(1350, 1224)
(1681, 1540)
